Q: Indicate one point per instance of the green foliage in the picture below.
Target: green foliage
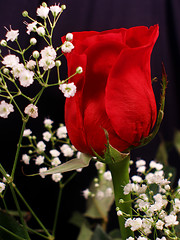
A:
(10, 229)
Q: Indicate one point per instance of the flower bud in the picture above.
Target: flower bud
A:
(35, 54)
(25, 13)
(3, 43)
(30, 152)
(6, 71)
(33, 41)
(79, 70)
(69, 36)
(58, 63)
(44, 4)
(63, 7)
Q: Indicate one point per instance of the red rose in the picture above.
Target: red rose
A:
(114, 92)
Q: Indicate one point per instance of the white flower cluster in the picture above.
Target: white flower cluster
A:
(40, 153)
(102, 188)
(156, 205)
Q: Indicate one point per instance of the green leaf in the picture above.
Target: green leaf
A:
(99, 208)
(73, 164)
(162, 155)
(78, 219)
(115, 234)
(99, 234)
(10, 229)
(177, 141)
(85, 233)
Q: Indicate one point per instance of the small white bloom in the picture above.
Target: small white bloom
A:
(31, 110)
(140, 163)
(67, 47)
(99, 165)
(17, 70)
(54, 153)
(107, 176)
(3, 43)
(46, 63)
(56, 177)
(69, 36)
(46, 136)
(141, 238)
(61, 132)
(26, 78)
(42, 12)
(35, 54)
(171, 220)
(130, 238)
(163, 238)
(5, 109)
(27, 133)
(42, 171)
(55, 10)
(2, 187)
(39, 160)
(69, 89)
(48, 122)
(137, 179)
(135, 223)
(127, 188)
(41, 146)
(25, 158)
(141, 169)
(40, 31)
(79, 170)
(86, 193)
(55, 161)
(66, 150)
(31, 27)
(10, 60)
(48, 52)
(12, 35)
(79, 70)
(159, 225)
(31, 64)
(119, 213)
(33, 41)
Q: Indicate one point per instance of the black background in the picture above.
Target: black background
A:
(99, 15)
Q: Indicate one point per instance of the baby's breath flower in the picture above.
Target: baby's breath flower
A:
(31, 110)
(140, 163)
(56, 177)
(67, 150)
(5, 109)
(33, 41)
(58, 63)
(119, 213)
(48, 123)
(67, 47)
(46, 63)
(27, 133)
(54, 153)
(107, 176)
(17, 70)
(25, 158)
(42, 171)
(31, 64)
(26, 78)
(35, 54)
(39, 160)
(55, 161)
(42, 11)
(61, 132)
(40, 31)
(171, 220)
(31, 27)
(25, 13)
(2, 187)
(100, 195)
(12, 35)
(46, 136)
(69, 36)
(10, 60)
(55, 10)
(86, 193)
(99, 165)
(3, 43)
(69, 89)
(79, 70)
(41, 146)
(48, 52)
(137, 179)
(159, 224)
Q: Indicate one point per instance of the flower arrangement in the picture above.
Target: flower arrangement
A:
(110, 109)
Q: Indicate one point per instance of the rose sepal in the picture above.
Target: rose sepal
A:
(146, 140)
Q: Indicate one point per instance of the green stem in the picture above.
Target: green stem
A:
(19, 211)
(18, 149)
(11, 233)
(57, 209)
(120, 177)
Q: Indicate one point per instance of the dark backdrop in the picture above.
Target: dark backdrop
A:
(96, 15)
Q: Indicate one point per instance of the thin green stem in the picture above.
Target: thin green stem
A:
(19, 211)
(120, 177)
(57, 208)
(11, 233)
(32, 212)
(18, 149)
